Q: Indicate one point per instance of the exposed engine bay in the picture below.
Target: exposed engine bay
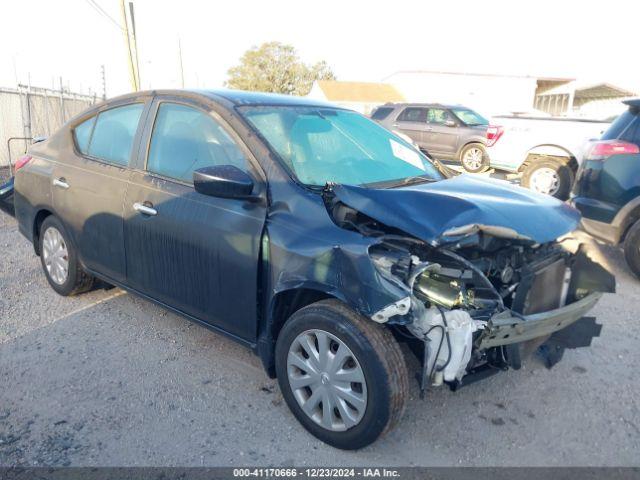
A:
(481, 298)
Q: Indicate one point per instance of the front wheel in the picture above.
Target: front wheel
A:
(548, 176)
(632, 248)
(343, 376)
(474, 159)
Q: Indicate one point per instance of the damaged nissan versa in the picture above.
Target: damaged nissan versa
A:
(315, 237)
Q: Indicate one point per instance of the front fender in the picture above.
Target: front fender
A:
(343, 270)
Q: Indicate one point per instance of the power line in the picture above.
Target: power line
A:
(102, 12)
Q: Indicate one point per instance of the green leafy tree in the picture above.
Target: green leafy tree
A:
(275, 67)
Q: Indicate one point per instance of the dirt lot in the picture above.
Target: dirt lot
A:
(109, 379)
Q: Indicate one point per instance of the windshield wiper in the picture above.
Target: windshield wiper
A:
(413, 181)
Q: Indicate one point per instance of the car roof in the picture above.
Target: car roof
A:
(235, 97)
(241, 97)
(427, 105)
(632, 102)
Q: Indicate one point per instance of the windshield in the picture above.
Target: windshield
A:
(321, 145)
(470, 117)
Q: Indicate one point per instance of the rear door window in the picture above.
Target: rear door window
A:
(113, 134)
(413, 114)
(185, 139)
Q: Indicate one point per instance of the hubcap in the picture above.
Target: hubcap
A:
(327, 380)
(472, 158)
(545, 180)
(55, 255)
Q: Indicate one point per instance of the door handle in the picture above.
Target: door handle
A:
(61, 182)
(145, 208)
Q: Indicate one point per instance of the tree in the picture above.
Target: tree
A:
(276, 67)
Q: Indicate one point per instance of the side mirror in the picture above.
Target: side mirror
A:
(225, 181)
(450, 123)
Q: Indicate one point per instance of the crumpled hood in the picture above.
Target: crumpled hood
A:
(463, 204)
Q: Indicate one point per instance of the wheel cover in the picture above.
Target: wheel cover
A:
(55, 255)
(473, 158)
(545, 180)
(327, 380)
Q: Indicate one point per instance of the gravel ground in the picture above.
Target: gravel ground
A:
(110, 379)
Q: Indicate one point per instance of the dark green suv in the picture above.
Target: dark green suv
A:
(607, 188)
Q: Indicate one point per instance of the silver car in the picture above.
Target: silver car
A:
(446, 132)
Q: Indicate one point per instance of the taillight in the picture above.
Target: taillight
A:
(494, 132)
(605, 148)
(21, 162)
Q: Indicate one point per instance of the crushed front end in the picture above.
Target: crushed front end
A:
(484, 304)
(481, 298)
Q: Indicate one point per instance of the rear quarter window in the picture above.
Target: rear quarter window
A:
(632, 132)
(82, 134)
(625, 127)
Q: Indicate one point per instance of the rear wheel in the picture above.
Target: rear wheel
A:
(60, 260)
(473, 158)
(548, 176)
(343, 376)
(632, 248)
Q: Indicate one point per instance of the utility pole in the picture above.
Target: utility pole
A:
(104, 83)
(180, 58)
(132, 69)
(135, 44)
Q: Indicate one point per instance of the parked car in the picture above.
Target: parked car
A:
(607, 188)
(6, 181)
(6, 189)
(446, 132)
(311, 235)
(545, 150)
(6, 197)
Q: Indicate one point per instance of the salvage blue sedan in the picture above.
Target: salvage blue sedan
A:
(313, 236)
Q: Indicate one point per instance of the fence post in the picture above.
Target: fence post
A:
(62, 115)
(46, 112)
(26, 125)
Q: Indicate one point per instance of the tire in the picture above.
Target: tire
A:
(370, 347)
(76, 280)
(632, 248)
(536, 174)
(470, 161)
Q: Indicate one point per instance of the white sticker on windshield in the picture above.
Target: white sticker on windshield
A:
(406, 154)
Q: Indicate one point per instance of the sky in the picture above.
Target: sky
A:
(43, 41)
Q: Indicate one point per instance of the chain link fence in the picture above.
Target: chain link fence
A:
(27, 113)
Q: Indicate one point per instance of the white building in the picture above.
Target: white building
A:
(599, 100)
(492, 94)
